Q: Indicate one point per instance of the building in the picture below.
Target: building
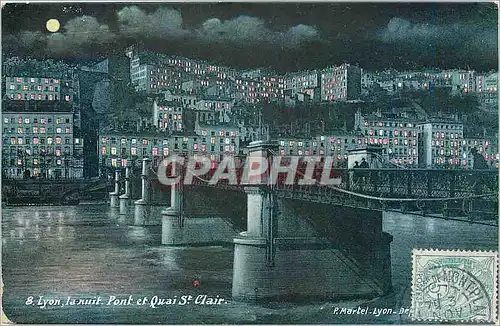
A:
(487, 90)
(486, 147)
(38, 141)
(33, 89)
(304, 82)
(266, 89)
(335, 145)
(120, 150)
(396, 134)
(341, 83)
(168, 115)
(440, 144)
(461, 81)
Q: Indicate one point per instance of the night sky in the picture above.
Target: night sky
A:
(283, 37)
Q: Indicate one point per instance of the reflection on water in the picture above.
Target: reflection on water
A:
(89, 250)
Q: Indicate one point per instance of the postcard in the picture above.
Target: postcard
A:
(249, 163)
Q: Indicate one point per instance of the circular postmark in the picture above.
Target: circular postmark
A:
(452, 289)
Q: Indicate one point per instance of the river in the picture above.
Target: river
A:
(89, 251)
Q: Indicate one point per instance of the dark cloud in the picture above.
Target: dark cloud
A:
(280, 36)
(163, 23)
(246, 29)
(79, 33)
(400, 30)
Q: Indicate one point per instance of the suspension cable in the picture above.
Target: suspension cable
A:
(361, 195)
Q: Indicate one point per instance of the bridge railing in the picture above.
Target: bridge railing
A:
(385, 182)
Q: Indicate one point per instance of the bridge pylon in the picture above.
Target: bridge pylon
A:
(296, 248)
(125, 198)
(173, 217)
(113, 196)
(143, 205)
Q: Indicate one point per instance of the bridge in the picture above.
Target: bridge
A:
(307, 240)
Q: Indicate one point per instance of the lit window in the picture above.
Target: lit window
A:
(58, 120)
(19, 130)
(113, 162)
(19, 141)
(42, 130)
(13, 141)
(133, 151)
(58, 152)
(103, 150)
(58, 140)
(155, 151)
(113, 150)
(58, 130)
(144, 141)
(165, 151)
(49, 141)
(27, 120)
(35, 141)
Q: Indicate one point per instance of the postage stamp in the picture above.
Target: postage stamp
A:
(454, 286)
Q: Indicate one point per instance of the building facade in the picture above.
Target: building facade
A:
(38, 141)
(33, 89)
(120, 150)
(341, 83)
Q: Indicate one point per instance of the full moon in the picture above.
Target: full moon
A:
(52, 25)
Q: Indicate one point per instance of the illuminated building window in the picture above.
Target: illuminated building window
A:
(58, 152)
(27, 120)
(133, 151)
(124, 162)
(103, 150)
(144, 141)
(58, 120)
(19, 130)
(13, 141)
(58, 130)
(49, 141)
(165, 151)
(35, 141)
(113, 162)
(113, 150)
(35, 161)
(58, 140)
(155, 151)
